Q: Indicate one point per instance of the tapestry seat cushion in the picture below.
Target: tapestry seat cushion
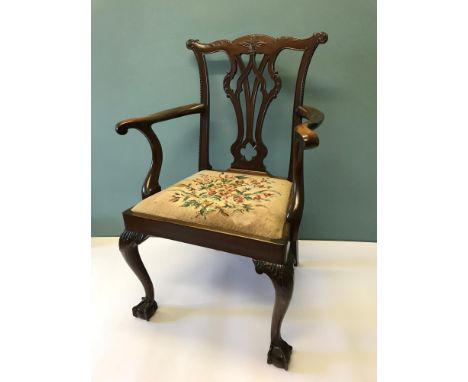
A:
(230, 201)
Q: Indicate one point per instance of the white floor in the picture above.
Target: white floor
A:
(213, 321)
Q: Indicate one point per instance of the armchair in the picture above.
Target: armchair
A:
(222, 209)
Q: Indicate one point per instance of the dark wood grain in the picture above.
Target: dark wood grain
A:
(193, 108)
(228, 241)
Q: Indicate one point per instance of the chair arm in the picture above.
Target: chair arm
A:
(304, 138)
(193, 108)
(314, 116)
(308, 137)
(143, 124)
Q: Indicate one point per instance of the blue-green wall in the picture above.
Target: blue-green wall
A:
(140, 65)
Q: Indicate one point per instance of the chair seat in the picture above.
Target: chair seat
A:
(248, 204)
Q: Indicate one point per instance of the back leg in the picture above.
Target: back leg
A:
(293, 241)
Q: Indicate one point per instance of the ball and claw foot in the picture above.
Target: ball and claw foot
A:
(145, 309)
(279, 355)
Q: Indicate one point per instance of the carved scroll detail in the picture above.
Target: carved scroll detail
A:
(252, 44)
(276, 271)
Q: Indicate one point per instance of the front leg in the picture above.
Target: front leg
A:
(128, 245)
(282, 276)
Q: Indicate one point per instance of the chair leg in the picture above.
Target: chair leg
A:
(282, 276)
(293, 240)
(128, 245)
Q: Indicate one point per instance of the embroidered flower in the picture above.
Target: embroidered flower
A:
(224, 193)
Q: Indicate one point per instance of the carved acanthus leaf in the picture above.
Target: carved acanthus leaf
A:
(128, 237)
(252, 44)
(275, 271)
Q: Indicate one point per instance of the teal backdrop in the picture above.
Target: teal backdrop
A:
(140, 65)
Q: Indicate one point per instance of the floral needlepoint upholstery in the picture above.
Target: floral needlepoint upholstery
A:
(248, 204)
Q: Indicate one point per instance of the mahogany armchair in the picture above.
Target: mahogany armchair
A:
(243, 210)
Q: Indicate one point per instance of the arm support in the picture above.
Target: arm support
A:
(143, 124)
(314, 116)
(304, 138)
(308, 139)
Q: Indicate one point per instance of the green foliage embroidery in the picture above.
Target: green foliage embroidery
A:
(224, 193)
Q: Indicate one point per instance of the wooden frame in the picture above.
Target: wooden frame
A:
(275, 258)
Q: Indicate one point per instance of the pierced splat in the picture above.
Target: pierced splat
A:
(248, 152)
(250, 120)
(251, 84)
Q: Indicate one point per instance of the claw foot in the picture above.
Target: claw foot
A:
(279, 355)
(145, 309)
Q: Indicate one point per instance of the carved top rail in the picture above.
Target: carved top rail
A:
(258, 43)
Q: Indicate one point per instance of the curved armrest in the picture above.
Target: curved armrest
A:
(314, 116)
(193, 108)
(308, 137)
(143, 124)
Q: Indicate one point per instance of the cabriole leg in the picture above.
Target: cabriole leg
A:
(282, 276)
(128, 245)
(293, 241)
